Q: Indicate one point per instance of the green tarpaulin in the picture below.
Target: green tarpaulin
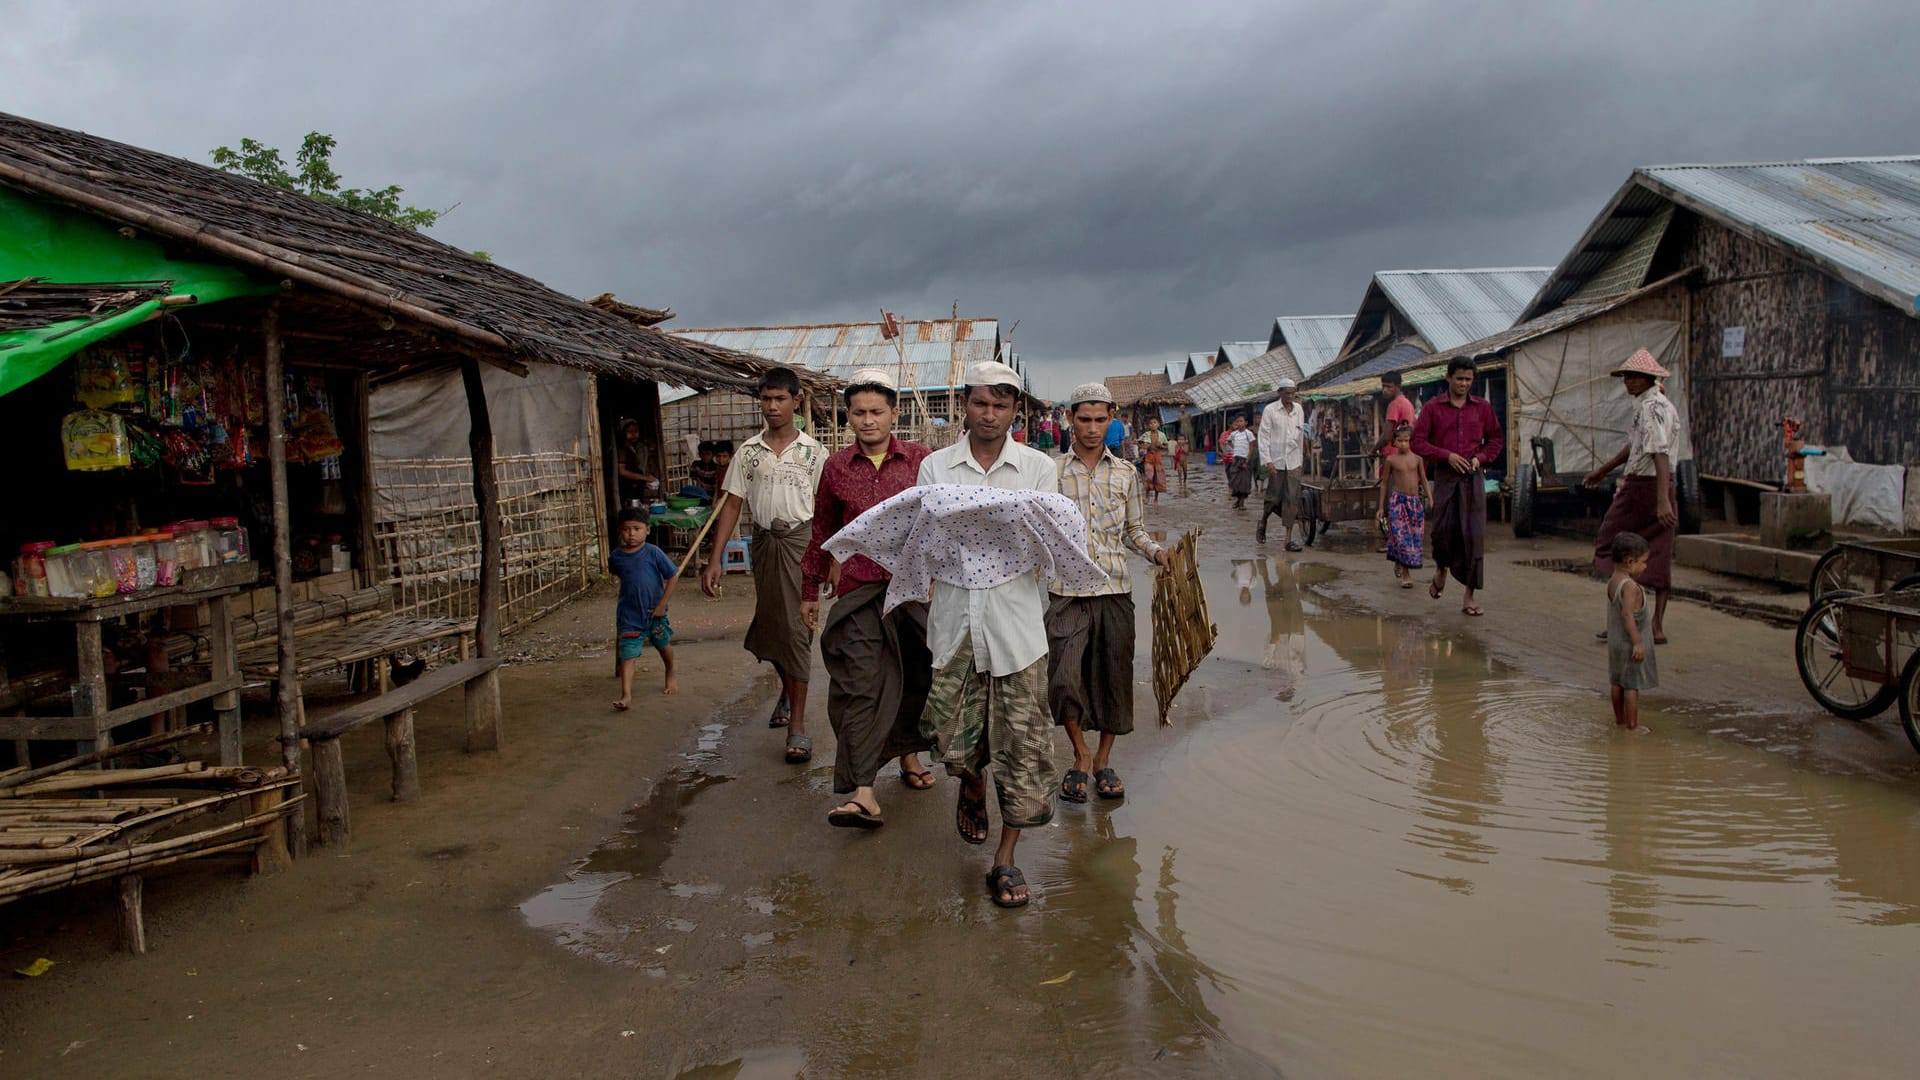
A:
(59, 244)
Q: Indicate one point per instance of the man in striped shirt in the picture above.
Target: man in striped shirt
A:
(1090, 635)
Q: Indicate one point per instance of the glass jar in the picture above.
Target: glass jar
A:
(30, 570)
(229, 540)
(97, 568)
(166, 556)
(63, 578)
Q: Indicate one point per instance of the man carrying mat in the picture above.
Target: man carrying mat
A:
(1090, 632)
(877, 661)
(774, 476)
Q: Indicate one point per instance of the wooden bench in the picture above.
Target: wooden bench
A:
(396, 708)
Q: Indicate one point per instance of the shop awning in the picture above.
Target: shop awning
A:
(1371, 384)
(123, 283)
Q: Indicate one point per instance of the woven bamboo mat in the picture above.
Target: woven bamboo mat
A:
(1183, 632)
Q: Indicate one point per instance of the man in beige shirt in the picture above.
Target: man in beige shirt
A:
(774, 476)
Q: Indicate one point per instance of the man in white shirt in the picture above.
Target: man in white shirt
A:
(988, 702)
(1283, 448)
(1644, 502)
(774, 476)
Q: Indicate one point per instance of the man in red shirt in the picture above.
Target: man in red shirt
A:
(1458, 435)
(878, 666)
(1399, 411)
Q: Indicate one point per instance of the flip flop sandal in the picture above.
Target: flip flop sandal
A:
(1659, 641)
(971, 816)
(1291, 546)
(1107, 784)
(918, 781)
(799, 749)
(1073, 786)
(1473, 611)
(1435, 591)
(782, 713)
(1003, 880)
(852, 815)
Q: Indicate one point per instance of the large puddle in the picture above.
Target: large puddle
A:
(1365, 849)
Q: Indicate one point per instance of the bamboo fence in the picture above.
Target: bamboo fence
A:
(1183, 631)
(428, 532)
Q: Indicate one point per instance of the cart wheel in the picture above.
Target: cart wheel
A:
(1310, 513)
(1910, 700)
(1686, 481)
(1525, 484)
(1822, 668)
(1911, 581)
(1829, 574)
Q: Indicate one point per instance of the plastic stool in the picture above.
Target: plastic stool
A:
(734, 558)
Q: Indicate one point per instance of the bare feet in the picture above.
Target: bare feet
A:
(622, 705)
(672, 687)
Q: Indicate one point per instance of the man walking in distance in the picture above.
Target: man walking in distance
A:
(1399, 410)
(1090, 634)
(1283, 446)
(1458, 435)
(877, 662)
(1645, 502)
(774, 476)
(987, 705)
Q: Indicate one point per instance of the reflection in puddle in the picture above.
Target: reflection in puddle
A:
(638, 850)
(777, 1063)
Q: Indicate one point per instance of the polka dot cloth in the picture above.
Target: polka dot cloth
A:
(970, 537)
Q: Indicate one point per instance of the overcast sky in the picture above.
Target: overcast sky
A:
(1131, 181)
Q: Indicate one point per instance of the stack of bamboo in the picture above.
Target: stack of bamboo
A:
(67, 824)
(1183, 632)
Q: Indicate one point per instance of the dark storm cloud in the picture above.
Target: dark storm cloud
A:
(1129, 181)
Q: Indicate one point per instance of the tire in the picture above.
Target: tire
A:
(1910, 700)
(1829, 574)
(1911, 581)
(1525, 488)
(1816, 653)
(1686, 482)
(1310, 514)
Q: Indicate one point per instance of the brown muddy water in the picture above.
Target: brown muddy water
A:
(1364, 848)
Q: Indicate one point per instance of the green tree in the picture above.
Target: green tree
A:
(313, 175)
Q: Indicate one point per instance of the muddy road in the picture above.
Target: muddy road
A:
(1378, 838)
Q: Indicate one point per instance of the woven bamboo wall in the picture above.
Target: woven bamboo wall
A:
(430, 544)
(1844, 363)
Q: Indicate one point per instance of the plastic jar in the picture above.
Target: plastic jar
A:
(96, 568)
(120, 560)
(229, 540)
(146, 569)
(30, 570)
(195, 541)
(63, 572)
(166, 556)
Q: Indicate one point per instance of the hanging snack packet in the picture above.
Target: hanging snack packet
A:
(95, 440)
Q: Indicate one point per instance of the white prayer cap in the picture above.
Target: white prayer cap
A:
(993, 373)
(1090, 391)
(871, 376)
(1285, 383)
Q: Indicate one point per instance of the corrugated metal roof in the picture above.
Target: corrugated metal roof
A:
(1240, 352)
(840, 349)
(1856, 218)
(1452, 307)
(1177, 370)
(1399, 358)
(1202, 361)
(1251, 379)
(1314, 339)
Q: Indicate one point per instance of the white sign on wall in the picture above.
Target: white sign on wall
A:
(1733, 342)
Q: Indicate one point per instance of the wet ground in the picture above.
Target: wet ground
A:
(1379, 837)
(1367, 845)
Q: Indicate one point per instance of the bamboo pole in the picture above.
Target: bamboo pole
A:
(16, 778)
(286, 690)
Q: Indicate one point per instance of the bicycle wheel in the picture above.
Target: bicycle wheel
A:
(1822, 662)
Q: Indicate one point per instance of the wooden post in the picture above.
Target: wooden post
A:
(90, 691)
(224, 665)
(286, 690)
(329, 793)
(406, 766)
(483, 694)
(133, 927)
(370, 564)
(270, 856)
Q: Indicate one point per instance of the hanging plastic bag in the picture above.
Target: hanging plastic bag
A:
(95, 440)
(101, 378)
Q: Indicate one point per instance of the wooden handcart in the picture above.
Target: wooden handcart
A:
(1857, 654)
(1865, 567)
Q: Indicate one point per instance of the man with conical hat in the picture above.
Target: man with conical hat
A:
(1644, 502)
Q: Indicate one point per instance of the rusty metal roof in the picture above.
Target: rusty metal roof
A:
(938, 349)
(1856, 218)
